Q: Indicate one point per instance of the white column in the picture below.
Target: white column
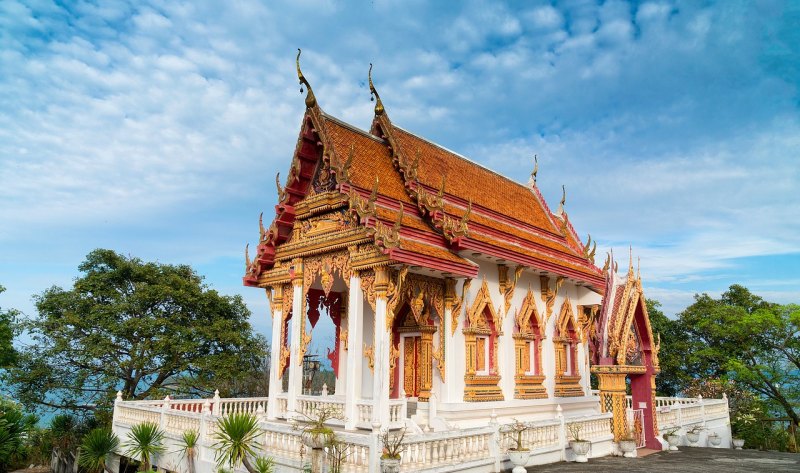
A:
(355, 336)
(295, 361)
(380, 387)
(447, 393)
(275, 354)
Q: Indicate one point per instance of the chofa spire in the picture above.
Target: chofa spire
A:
(311, 100)
(374, 94)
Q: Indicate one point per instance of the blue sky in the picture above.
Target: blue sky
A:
(156, 128)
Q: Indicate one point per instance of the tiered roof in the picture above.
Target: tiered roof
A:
(452, 208)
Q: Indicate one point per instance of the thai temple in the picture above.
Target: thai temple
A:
(461, 304)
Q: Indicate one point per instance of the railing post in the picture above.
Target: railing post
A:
(562, 433)
(216, 408)
(374, 452)
(494, 445)
(163, 417)
(203, 430)
(116, 405)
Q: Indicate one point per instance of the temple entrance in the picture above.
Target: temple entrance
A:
(412, 358)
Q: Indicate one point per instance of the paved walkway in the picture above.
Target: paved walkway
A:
(687, 459)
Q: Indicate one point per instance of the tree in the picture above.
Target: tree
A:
(743, 338)
(673, 344)
(14, 428)
(96, 446)
(144, 441)
(7, 318)
(147, 329)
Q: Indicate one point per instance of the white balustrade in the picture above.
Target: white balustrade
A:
(447, 448)
(441, 451)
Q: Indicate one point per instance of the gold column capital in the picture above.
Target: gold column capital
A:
(296, 271)
(381, 281)
(277, 294)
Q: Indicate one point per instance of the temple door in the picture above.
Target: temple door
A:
(412, 347)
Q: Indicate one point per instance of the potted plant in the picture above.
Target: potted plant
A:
(314, 429)
(518, 454)
(714, 439)
(392, 448)
(628, 444)
(579, 446)
(693, 435)
(672, 438)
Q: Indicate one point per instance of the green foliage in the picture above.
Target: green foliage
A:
(741, 337)
(148, 329)
(236, 438)
(144, 441)
(8, 355)
(265, 465)
(14, 429)
(96, 446)
(674, 344)
(188, 447)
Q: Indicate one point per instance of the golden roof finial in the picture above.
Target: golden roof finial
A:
(374, 94)
(639, 268)
(535, 168)
(563, 199)
(311, 101)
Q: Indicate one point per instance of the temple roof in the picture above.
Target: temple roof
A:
(452, 208)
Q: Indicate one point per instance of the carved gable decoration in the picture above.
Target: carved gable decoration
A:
(566, 319)
(475, 313)
(528, 315)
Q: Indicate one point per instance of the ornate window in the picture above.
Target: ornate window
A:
(566, 346)
(528, 338)
(481, 332)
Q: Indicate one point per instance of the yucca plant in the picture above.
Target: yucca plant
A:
(144, 441)
(96, 446)
(188, 448)
(236, 438)
(265, 465)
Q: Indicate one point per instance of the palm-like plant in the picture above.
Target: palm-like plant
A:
(188, 448)
(144, 441)
(97, 445)
(236, 438)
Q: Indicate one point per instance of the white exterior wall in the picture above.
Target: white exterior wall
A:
(455, 412)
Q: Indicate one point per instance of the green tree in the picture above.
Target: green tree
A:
(14, 428)
(144, 441)
(674, 341)
(743, 338)
(7, 318)
(96, 447)
(147, 329)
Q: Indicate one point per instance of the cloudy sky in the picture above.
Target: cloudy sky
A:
(156, 128)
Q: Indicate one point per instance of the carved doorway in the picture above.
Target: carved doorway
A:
(412, 358)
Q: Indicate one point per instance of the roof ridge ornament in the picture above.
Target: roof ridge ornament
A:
(311, 100)
(374, 97)
(563, 200)
(535, 169)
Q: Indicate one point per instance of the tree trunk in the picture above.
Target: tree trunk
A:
(247, 465)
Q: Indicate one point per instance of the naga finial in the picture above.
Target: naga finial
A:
(281, 189)
(399, 222)
(247, 255)
(535, 168)
(262, 232)
(374, 94)
(311, 100)
(563, 199)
